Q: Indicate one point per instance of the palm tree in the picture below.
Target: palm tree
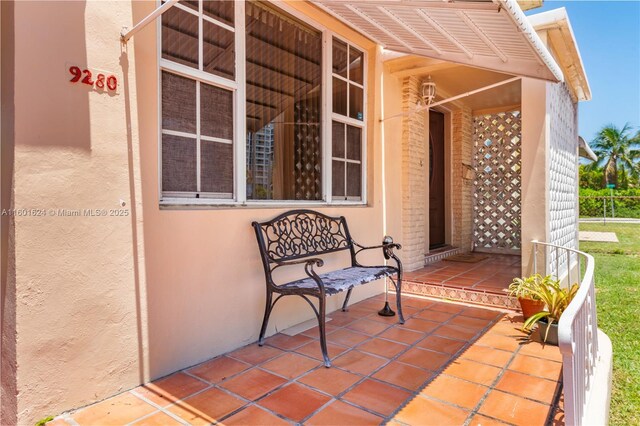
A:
(617, 149)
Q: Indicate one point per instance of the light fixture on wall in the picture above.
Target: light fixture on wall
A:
(428, 89)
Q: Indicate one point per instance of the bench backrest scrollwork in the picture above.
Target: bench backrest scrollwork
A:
(298, 234)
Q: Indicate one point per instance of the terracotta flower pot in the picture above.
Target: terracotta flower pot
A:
(530, 307)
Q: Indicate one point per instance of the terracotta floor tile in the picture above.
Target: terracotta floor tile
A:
(441, 344)
(330, 380)
(120, 409)
(437, 316)
(218, 369)
(387, 320)
(455, 332)
(382, 347)
(479, 420)
(346, 338)
(294, 401)
(423, 358)
(170, 389)
(513, 409)
(513, 329)
(469, 322)
(367, 326)
(253, 384)
(415, 302)
(314, 333)
(499, 341)
(254, 416)
(206, 407)
(536, 367)
(376, 396)
(535, 388)
(472, 371)
(287, 343)
(402, 335)
(290, 365)
(340, 319)
(157, 419)
(536, 349)
(313, 350)
(485, 355)
(423, 411)
(254, 354)
(455, 391)
(359, 362)
(58, 422)
(403, 375)
(418, 324)
(344, 414)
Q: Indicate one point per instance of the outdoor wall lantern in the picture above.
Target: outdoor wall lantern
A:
(428, 92)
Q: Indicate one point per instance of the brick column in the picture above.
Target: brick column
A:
(414, 183)
(461, 186)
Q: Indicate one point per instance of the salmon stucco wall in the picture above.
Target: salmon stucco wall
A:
(104, 303)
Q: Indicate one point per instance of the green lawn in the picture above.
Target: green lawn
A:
(617, 275)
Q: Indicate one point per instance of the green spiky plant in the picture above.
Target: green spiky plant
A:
(556, 299)
(527, 287)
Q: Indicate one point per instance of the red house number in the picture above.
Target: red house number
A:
(85, 76)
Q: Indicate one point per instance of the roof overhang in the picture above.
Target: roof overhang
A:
(584, 150)
(562, 41)
(494, 35)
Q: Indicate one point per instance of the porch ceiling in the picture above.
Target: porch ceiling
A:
(481, 33)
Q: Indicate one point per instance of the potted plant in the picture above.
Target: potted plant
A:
(556, 299)
(525, 290)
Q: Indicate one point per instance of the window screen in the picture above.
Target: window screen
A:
(284, 101)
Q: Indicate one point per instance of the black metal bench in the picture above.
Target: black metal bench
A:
(296, 238)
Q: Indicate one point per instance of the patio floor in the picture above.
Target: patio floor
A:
(482, 282)
(448, 364)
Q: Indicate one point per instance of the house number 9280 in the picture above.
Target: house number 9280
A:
(101, 81)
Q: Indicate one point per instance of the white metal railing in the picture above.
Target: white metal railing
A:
(577, 329)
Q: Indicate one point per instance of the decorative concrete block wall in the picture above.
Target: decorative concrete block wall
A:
(414, 188)
(563, 173)
(497, 185)
(462, 179)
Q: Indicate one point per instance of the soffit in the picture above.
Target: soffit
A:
(481, 33)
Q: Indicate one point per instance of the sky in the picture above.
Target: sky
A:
(608, 35)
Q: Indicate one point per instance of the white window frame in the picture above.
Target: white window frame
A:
(238, 87)
(345, 119)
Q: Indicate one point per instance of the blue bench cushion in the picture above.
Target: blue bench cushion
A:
(343, 279)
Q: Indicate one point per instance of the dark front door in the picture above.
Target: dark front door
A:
(436, 180)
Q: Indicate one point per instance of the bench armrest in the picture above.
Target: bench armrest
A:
(387, 250)
(308, 268)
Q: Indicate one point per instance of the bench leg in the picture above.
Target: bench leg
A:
(399, 299)
(321, 328)
(265, 320)
(346, 300)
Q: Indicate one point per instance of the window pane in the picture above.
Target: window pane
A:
(178, 103)
(354, 180)
(218, 50)
(338, 139)
(337, 178)
(355, 65)
(219, 9)
(180, 37)
(354, 138)
(216, 167)
(339, 58)
(191, 4)
(179, 161)
(355, 102)
(216, 112)
(339, 96)
(284, 74)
